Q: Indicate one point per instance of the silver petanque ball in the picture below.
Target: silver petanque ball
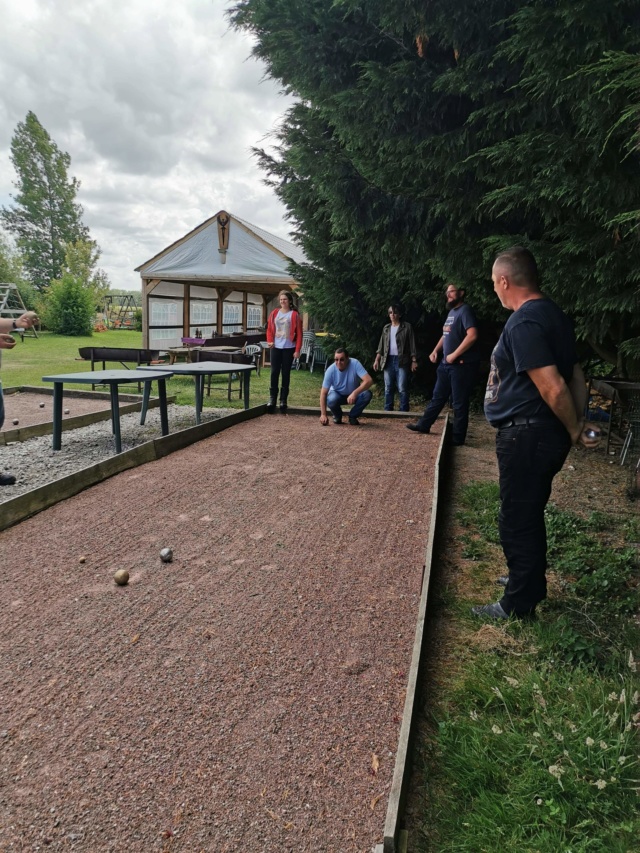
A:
(592, 433)
(166, 555)
(66, 411)
(42, 405)
(15, 422)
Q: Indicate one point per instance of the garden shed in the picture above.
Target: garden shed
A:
(220, 278)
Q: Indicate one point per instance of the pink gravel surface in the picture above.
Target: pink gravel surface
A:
(248, 695)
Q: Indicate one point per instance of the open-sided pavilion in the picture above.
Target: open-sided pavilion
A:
(220, 278)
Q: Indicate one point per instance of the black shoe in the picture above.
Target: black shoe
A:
(502, 580)
(354, 422)
(416, 428)
(271, 405)
(490, 611)
(495, 611)
(7, 479)
(337, 420)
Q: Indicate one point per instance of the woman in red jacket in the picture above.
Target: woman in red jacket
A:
(284, 336)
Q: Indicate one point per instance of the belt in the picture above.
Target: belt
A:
(525, 421)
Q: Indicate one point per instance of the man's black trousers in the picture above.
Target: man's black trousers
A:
(529, 457)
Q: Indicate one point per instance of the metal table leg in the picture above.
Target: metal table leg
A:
(246, 383)
(199, 380)
(145, 402)
(162, 394)
(57, 415)
(115, 415)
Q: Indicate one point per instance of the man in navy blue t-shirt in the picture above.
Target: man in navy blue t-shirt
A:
(535, 398)
(457, 370)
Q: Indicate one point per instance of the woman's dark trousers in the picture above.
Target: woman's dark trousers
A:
(281, 361)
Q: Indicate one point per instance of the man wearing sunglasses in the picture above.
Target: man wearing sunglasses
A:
(345, 381)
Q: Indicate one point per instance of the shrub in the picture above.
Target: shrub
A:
(68, 307)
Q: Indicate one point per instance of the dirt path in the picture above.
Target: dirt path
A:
(246, 697)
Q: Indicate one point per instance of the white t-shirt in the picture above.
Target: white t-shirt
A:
(283, 330)
(393, 344)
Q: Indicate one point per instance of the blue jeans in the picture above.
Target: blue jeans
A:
(395, 375)
(529, 457)
(335, 402)
(455, 381)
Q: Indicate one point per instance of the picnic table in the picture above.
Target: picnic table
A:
(112, 378)
(200, 370)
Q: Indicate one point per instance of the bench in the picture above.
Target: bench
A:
(123, 355)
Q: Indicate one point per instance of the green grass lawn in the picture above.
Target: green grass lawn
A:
(29, 361)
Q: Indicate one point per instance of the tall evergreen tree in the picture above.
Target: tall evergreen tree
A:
(46, 215)
(428, 136)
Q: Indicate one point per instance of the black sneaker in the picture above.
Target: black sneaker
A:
(7, 479)
(337, 420)
(416, 428)
(354, 422)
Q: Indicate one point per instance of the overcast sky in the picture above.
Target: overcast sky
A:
(158, 104)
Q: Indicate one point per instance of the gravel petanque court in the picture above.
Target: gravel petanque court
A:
(30, 408)
(248, 695)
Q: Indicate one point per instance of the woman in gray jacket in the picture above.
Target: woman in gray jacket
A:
(396, 355)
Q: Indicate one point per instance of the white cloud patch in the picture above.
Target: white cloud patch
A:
(157, 104)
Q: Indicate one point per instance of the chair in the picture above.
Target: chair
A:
(319, 357)
(306, 350)
(230, 358)
(255, 353)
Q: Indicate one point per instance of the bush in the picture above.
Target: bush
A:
(68, 307)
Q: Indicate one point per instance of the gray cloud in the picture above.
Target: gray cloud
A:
(158, 105)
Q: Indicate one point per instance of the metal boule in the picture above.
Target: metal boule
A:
(121, 577)
(166, 555)
(15, 422)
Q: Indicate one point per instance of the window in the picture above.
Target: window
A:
(203, 313)
(254, 316)
(232, 317)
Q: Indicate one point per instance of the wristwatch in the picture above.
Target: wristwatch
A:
(14, 325)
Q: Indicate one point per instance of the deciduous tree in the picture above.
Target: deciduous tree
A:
(45, 216)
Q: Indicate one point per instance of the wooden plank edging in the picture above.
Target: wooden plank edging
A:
(398, 791)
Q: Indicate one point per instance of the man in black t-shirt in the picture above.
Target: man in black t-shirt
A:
(457, 370)
(535, 398)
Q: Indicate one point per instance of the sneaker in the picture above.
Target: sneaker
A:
(417, 428)
(354, 422)
(7, 479)
(337, 420)
(502, 580)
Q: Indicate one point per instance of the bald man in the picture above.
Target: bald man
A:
(535, 398)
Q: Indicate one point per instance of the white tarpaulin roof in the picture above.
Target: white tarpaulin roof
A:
(252, 252)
